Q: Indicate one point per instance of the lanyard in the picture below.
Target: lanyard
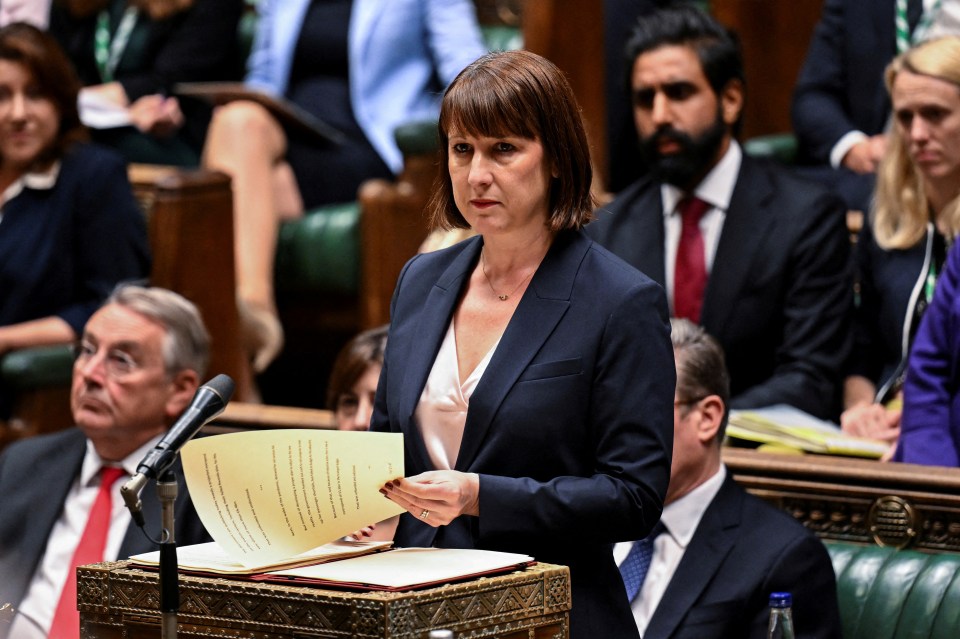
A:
(904, 38)
(106, 51)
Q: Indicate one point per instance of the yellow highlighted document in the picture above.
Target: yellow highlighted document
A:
(266, 496)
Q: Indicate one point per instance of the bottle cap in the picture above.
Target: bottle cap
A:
(781, 600)
(441, 634)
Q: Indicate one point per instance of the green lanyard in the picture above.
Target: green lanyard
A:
(107, 51)
(931, 283)
(904, 38)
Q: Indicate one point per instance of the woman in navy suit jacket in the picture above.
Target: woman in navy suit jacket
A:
(70, 229)
(529, 369)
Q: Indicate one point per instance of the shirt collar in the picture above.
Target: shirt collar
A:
(37, 180)
(92, 462)
(682, 517)
(715, 189)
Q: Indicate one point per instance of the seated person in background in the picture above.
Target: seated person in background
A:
(930, 433)
(902, 249)
(364, 67)
(756, 256)
(138, 365)
(70, 228)
(718, 553)
(840, 109)
(353, 380)
(130, 53)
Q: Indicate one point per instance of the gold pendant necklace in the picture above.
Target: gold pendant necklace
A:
(503, 297)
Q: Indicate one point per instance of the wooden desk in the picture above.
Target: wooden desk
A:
(117, 601)
(855, 500)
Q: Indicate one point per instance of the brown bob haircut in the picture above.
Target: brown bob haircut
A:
(518, 93)
(361, 352)
(56, 80)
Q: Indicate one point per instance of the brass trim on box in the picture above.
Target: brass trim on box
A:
(893, 521)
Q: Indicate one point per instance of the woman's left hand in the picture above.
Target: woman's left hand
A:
(436, 497)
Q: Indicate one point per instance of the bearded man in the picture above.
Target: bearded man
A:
(757, 256)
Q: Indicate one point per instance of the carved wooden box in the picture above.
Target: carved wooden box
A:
(117, 601)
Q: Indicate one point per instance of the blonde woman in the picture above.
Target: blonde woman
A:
(915, 217)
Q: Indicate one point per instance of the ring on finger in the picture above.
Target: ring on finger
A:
(424, 514)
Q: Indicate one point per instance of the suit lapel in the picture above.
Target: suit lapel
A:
(646, 213)
(711, 543)
(744, 228)
(429, 333)
(542, 307)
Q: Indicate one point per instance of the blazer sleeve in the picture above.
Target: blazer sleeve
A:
(453, 36)
(200, 45)
(631, 419)
(817, 310)
(110, 244)
(819, 111)
(929, 430)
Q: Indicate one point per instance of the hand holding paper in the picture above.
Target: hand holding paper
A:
(436, 497)
(268, 495)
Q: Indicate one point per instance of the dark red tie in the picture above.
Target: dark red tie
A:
(66, 620)
(690, 270)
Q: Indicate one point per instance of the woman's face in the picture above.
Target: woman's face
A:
(355, 408)
(500, 185)
(29, 120)
(927, 112)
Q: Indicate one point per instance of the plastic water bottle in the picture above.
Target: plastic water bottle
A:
(443, 634)
(781, 616)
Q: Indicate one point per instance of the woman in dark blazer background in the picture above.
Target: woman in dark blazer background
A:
(529, 369)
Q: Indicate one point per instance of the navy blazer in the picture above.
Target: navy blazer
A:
(62, 250)
(35, 476)
(571, 426)
(743, 550)
(778, 296)
(840, 87)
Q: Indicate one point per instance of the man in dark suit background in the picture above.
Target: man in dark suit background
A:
(762, 260)
(840, 105)
(138, 366)
(721, 551)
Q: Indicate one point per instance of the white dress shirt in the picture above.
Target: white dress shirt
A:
(680, 520)
(715, 189)
(35, 613)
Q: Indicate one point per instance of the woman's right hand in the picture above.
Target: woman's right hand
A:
(871, 420)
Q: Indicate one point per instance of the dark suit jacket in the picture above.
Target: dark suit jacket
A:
(840, 87)
(744, 549)
(35, 476)
(64, 249)
(778, 298)
(570, 428)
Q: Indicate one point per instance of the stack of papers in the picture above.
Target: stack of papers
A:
(790, 427)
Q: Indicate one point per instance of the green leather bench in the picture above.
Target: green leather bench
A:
(886, 593)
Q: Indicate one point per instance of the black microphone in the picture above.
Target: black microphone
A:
(208, 402)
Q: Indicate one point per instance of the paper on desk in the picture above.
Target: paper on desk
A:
(268, 495)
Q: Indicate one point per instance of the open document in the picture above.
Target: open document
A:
(267, 496)
(789, 427)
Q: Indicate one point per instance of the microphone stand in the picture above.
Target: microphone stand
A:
(169, 579)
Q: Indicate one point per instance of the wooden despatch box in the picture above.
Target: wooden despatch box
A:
(118, 601)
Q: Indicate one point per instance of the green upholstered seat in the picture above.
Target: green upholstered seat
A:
(886, 593)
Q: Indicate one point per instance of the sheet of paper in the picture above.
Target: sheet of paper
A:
(409, 567)
(265, 496)
(97, 112)
(210, 557)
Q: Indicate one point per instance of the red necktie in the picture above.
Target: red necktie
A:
(690, 270)
(66, 620)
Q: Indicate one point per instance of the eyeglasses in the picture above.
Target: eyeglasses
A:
(688, 402)
(116, 363)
